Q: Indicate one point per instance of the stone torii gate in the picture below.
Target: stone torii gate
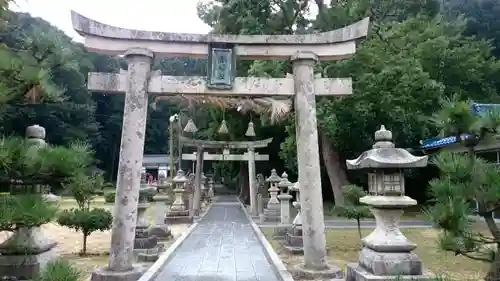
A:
(249, 156)
(140, 47)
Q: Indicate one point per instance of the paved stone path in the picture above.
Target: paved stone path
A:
(222, 247)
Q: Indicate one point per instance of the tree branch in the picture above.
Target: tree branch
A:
(473, 257)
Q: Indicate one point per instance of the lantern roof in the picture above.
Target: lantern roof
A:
(273, 178)
(284, 182)
(385, 155)
(180, 177)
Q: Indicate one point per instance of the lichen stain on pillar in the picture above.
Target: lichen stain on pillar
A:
(131, 153)
(308, 162)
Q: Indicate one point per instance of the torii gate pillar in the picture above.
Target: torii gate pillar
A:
(308, 160)
(121, 253)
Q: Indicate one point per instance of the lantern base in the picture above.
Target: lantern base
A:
(294, 243)
(356, 272)
(178, 217)
(281, 230)
(390, 263)
(330, 272)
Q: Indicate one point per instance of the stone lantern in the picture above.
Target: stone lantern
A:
(179, 187)
(210, 193)
(293, 240)
(284, 197)
(179, 211)
(162, 176)
(145, 242)
(386, 252)
(272, 212)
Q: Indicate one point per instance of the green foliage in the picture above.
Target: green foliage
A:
(86, 221)
(467, 179)
(83, 188)
(20, 160)
(109, 197)
(455, 117)
(59, 270)
(353, 210)
(26, 210)
(457, 186)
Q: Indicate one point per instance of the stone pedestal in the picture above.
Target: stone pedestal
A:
(160, 229)
(26, 253)
(387, 253)
(293, 240)
(285, 224)
(260, 207)
(105, 274)
(273, 209)
(143, 241)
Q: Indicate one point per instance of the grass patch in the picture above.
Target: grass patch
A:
(70, 241)
(343, 246)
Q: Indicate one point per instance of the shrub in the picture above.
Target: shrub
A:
(109, 197)
(59, 270)
(86, 221)
(353, 209)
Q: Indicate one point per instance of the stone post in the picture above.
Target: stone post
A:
(272, 213)
(198, 181)
(251, 181)
(121, 254)
(260, 207)
(313, 225)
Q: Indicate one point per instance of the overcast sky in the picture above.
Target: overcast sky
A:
(154, 15)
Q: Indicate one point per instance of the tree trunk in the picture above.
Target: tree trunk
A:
(336, 171)
(494, 272)
(197, 180)
(84, 249)
(244, 185)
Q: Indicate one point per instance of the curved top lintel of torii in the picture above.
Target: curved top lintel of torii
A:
(112, 40)
(220, 144)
